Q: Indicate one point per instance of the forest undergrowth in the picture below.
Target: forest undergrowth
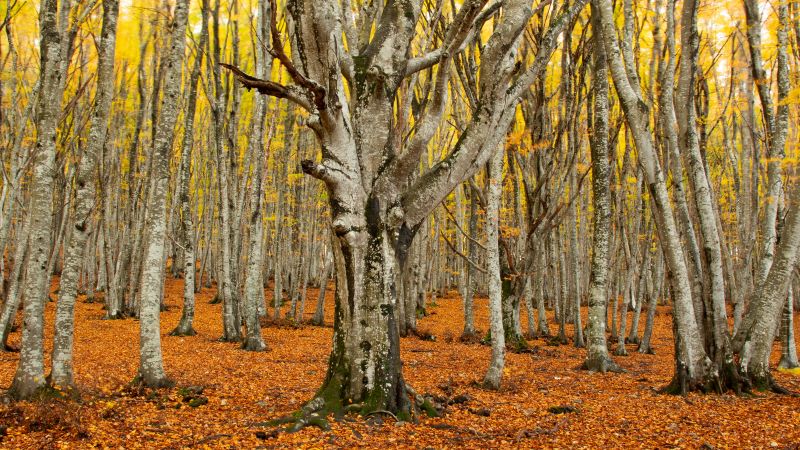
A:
(224, 395)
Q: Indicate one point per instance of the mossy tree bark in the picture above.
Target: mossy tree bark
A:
(367, 163)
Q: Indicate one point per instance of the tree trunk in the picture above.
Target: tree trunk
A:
(495, 372)
(61, 375)
(185, 326)
(151, 365)
(29, 378)
(597, 358)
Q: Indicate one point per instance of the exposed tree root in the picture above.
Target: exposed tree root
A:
(317, 411)
(718, 378)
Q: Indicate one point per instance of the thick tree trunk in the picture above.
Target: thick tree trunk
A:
(597, 358)
(151, 364)
(29, 378)
(61, 375)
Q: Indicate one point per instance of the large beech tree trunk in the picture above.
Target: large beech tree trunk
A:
(364, 366)
(376, 203)
(29, 378)
(74, 250)
(597, 357)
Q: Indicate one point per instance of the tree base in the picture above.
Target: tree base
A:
(254, 344)
(602, 365)
(183, 330)
(29, 391)
(327, 402)
(714, 379)
(645, 349)
(119, 315)
(140, 382)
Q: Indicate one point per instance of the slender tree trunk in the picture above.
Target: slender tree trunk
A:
(788, 343)
(253, 287)
(185, 326)
(497, 361)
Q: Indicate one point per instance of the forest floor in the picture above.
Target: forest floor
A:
(244, 389)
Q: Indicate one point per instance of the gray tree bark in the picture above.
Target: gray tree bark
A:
(151, 364)
(61, 375)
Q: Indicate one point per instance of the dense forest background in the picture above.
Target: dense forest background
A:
(539, 191)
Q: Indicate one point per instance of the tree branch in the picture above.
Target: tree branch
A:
(271, 88)
(317, 91)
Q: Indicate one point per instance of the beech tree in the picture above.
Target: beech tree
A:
(375, 210)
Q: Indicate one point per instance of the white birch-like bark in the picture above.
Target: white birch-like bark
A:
(253, 286)
(185, 326)
(692, 364)
(151, 364)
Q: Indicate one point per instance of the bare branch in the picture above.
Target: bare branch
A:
(317, 91)
(461, 33)
(266, 87)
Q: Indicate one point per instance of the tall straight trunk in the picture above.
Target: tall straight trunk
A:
(493, 198)
(62, 373)
(29, 378)
(253, 287)
(151, 365)
(185, 326)
(597, 357)
(319, 313)
(575, 294)
(278, 253)
(469, 292)
(653, 291)
(231, 330)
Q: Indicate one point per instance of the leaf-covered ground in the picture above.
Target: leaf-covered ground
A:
(244, 389)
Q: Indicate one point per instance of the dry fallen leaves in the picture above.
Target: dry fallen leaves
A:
(545, 400)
